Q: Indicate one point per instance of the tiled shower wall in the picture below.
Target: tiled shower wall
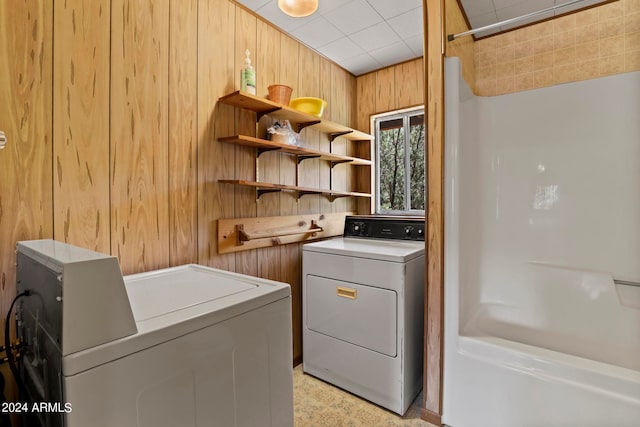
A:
(592, 43)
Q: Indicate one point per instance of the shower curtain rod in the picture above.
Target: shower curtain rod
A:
(452, 37)
(626, 283)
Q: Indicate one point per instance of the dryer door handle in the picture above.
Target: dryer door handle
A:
(343, 292)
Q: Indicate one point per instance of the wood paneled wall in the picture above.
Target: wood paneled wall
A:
(26, 197)
(111, 113)
(434, 312)
(463, 47)
(392, 88)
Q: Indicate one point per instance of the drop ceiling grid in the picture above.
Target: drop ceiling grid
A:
(365, 35)
(359, 35)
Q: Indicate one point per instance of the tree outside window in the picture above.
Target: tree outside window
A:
(401, 163)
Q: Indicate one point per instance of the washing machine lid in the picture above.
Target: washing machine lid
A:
(157, 293)
(379, 249)
(176, 301)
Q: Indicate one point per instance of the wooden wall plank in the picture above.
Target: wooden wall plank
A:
(245, 198)
(366, 106)
(290, 255)
(268, 66)
(463, 47)
(309, 170)
(81, 126)
(139, 134)
(216, 26)
(26, 210)
(386, 90)
(434, 324)
(341, 112)
(324, 141)
(410, 83)
(183, 131)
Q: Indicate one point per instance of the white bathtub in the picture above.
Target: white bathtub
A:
(536, 331)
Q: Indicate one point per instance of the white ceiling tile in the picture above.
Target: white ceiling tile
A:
(375, 37)
(477, 7)
(354, 16)
(388, 9)
(273, 14)
(576, 6)
(340, 49)
(522, 22)
(361, 64)
(484, 19)
(253, 4)
(408, 24)
(326, 6)
(318, 32)
(523, 8)
(501, 4)
(416, 44)
(392, 54)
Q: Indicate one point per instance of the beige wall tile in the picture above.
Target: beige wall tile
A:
(632, 41)
(485, 73)
(587, 17)
(523, 65)
(564, 73)
(504, 70)
(588, 51)
(611, 10)
(523, 82)
(564, 56)
(540, 30)
(564, 23)
(486, 58)
(543, 78)
(587, 33)
(611, 27)
(631, 6)
(486, 45)
(612, 46)
(505, 39)
(611, 65)
(632, 61)
(543, 44)
(486, 87)
(505, 85)
(594, 42)
(564, 39)
(588, 69)
(520, 50)
(632, 22)
(542, 61)
(505, 54)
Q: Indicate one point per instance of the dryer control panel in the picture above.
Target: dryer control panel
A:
(373, 227)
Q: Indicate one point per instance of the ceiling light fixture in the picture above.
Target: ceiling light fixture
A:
(298, 8)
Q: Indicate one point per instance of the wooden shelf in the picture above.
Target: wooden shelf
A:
(301, 152)
(250, 102)
(265, 187)
(264, 106)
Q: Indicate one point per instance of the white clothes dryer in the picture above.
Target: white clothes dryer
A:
(363, 309)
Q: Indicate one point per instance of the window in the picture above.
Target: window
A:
(400, 170)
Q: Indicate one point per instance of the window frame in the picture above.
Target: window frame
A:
(404, 114)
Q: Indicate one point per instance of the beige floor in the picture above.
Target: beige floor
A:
(318, 404)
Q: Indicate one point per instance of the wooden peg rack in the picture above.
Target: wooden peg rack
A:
(241, 234)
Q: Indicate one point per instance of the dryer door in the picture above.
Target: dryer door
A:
(362, 315)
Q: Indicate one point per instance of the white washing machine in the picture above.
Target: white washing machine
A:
(183, 346)
(363, 305)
